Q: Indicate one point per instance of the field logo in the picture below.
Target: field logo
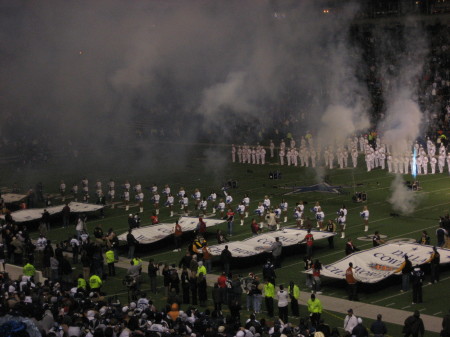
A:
(370, 237)
(402, 240)
(381, 267)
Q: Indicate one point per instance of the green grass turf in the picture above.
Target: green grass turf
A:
(433, 201)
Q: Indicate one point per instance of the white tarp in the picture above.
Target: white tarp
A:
(260, 243)
(153, 233)
(36, 213)
(10, 198)
(375, 264)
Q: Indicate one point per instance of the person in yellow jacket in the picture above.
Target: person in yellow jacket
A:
(137, 261)
(201, 268)
(315, 309)
(294, 295)
(269, 294)
(110, 259)
(95, 283)
(29, 270)
(81, 282)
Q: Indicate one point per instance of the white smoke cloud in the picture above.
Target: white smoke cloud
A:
(402, 199)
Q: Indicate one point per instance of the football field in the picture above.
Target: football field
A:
(211, 174)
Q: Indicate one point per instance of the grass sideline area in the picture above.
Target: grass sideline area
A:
(433, 201)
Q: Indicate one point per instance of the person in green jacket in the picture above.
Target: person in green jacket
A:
(81, 282)
(269, 294)
(294, 294)
(95, 283)
(201, 268)
(315, 309)
(110, 259)
(29, 270)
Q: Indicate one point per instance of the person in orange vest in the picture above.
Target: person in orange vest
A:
(207, 257)
(178, 232)
(352, 283)
(154, 219)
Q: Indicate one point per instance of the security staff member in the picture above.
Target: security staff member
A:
(95, 282)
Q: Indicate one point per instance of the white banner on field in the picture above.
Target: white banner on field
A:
(31, 214)
(10, 198)
(153, 233)
(261, 243)
(375, 264)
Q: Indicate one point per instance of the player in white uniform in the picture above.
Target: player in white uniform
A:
(185, 204)
(154, 188)
(266, 203)
(197, 196)
(98, 185)
(111, 196)
(433, 162)
(239, 152)
(127, 185)
(126, 199)
(254, 155)
(298, 216)
(85, 187)
(233, 153)
(140, 199)
(425, 164)
(62, 190)
(221, 208)
(288, 157)
(166, 190)
(281, 154)
(263, 156)
(260, 213)
(284, 209)
(448, 162)
(156, 199)
(441, 163)
(203, 206)
(313, 158)
(181, 194)
(138, 188)
(277, 212)
(342, 220)
(213, 197)
(272, 148)
(228, 200)
(320, 217)
(169, 203)
(345, 154)
(75, 192)
(365, 215)
(241, 211)
(246, 202)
